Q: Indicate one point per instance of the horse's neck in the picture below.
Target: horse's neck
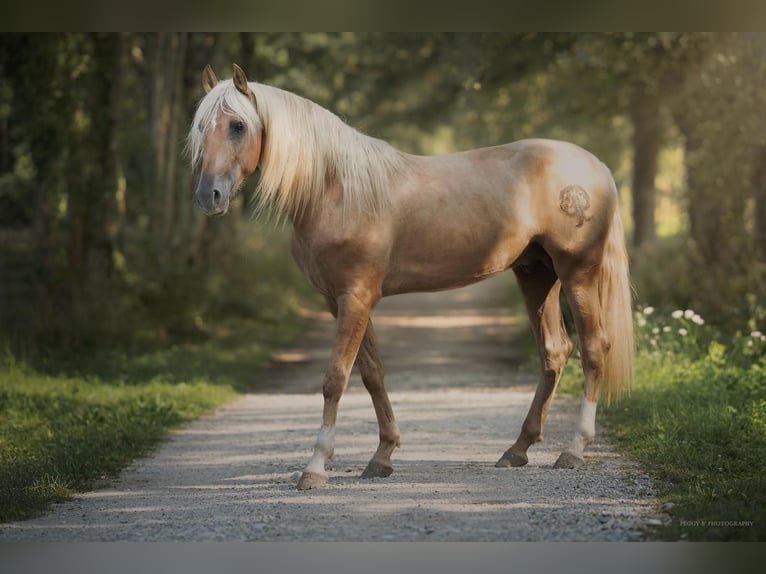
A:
(322, 211)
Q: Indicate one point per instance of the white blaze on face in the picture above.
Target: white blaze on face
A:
(586, 427)
(323, 450)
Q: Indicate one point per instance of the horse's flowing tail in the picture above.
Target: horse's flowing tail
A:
(616, 312)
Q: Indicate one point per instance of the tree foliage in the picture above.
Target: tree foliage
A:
(99, 237)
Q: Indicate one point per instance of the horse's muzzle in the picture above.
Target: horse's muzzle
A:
(213, 194)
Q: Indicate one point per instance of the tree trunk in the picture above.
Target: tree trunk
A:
(175, 117)
(105, 187)
(158, 119)
(247, 46)
(759, 193)
(5, 152)
(696, 202)
(644, 110)
(114, 174)
(169, 54)
(6, 99)
(695, 185)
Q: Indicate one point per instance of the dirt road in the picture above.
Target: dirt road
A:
(460, 391)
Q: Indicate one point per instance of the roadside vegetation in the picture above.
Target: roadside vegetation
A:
(60, 435)
(72, 416)
(695, 419)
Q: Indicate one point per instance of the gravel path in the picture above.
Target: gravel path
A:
(460, 390)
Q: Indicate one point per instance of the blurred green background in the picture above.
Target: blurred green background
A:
(100, 244)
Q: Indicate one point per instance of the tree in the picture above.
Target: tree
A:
(715, 108)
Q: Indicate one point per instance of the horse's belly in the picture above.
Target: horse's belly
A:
(436, 266)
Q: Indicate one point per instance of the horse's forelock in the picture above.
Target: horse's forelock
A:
(223, 98)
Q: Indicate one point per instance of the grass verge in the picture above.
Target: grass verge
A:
(58, 435)
(66, 424)
(696, 419)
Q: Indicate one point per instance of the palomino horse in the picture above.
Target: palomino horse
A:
(370, 221)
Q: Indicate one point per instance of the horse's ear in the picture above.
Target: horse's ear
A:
(209, 79)
(240, 80)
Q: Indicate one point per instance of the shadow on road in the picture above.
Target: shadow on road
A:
(450, 339)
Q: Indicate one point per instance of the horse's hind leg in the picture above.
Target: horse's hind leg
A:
(371, 369)
(581, 289)
(541, 289)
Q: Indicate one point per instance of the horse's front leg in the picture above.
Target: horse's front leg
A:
(353, 313)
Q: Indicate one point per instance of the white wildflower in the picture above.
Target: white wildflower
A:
(683, 332)
(697, 320)
(666, 329)
(756, 334)
(641, 321)
(648, 310)
(656, 331)
(653, 342)
(750, 343)
(677, 314)
(688, 314)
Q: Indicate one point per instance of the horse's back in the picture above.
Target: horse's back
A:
(534, 184)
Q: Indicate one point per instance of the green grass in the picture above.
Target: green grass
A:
(58, 435)
(74, 413)
(67, 422)
(696, 419)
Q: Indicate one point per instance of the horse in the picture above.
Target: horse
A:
(370, 221)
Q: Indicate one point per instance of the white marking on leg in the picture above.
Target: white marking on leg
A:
(323, 450)
(586, 427)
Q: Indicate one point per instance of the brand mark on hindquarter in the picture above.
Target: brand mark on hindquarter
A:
(575, 202)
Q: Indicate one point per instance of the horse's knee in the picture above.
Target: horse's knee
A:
(334, 383)
(557, 353)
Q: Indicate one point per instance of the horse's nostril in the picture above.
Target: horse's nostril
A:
(216, 197)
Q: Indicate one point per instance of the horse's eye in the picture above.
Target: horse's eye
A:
(238, 127)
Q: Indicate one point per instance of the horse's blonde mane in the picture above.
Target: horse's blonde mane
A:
(304, 145)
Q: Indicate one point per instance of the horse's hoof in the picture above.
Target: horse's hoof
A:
(311, 480)
(510, 458)
(569, 460)
(377, 469)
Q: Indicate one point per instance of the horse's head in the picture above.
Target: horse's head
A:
(226, 137)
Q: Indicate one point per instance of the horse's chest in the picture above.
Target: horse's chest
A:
(335, 263)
